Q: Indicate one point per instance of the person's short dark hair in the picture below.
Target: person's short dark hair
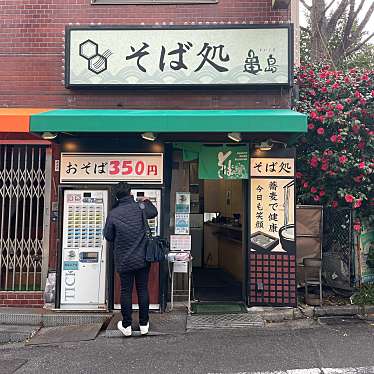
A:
(122, 189)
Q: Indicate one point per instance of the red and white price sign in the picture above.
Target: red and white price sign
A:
(111, 168)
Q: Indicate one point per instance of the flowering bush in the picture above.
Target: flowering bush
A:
(335, 158)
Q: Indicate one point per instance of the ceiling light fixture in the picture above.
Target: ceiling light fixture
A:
(268, 144)
(149, 136)
(49, 135)
(235, 136)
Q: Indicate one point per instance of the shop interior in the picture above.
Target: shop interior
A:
(216, 228)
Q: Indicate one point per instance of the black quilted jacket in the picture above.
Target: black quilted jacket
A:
(124, 227)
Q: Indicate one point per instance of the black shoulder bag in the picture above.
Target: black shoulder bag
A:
(156, 248)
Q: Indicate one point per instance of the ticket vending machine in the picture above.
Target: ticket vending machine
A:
(83, 256)
(85, 276)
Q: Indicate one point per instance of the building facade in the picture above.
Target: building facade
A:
(53, 116)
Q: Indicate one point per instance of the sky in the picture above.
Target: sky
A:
(369, 26)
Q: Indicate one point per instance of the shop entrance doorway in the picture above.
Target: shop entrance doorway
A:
(218, 267)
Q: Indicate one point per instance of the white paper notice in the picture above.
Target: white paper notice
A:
(180, 267)
(180, 243)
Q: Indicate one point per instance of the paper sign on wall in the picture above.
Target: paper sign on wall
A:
(182, 202)
(182, 223)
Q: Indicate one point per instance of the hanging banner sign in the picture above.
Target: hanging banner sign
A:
(272, 249)
(178, 55)
(272, 204)
(224, 162)
(111, 168)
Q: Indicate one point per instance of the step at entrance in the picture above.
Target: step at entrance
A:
(223, 321)
(218, 308)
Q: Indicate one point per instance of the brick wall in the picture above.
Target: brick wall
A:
(21, 299)
(31, 50)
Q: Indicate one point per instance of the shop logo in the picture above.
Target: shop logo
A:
(96, 62)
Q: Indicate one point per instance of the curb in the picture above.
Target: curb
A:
(52, 320)
(343, 310)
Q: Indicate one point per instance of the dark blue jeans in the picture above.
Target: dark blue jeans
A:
(127, 284)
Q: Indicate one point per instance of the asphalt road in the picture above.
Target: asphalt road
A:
(335, 345)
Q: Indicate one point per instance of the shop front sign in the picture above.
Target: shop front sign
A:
(111, 168)
(179, 55)
(223, 162)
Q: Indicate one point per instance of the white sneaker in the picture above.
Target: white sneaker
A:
(125, 331)
(144, 329)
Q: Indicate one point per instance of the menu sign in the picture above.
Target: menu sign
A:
(111, 168)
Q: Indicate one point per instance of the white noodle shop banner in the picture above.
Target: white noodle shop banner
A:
(111, 168)
(179, 55)
(272, 213)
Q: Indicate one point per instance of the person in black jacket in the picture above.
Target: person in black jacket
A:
(125, 228)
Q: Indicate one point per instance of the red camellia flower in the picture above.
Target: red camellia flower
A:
(358, 178)
(298, 175)
(361, 165)
(329, 114)
(358, 94)
(322, 193)
(340, 138)
(335, 86)
(314, 162)
(361, 145)
(357, 203)
(357, 227)
(365, 77)
(348, 100)
(325, 167)
(313, 190)
(356, 128)
(339, 107)
(343, 159)
(334, 204)
(324, 89)
(372, 93)
(362, 101)
(349, 198)
(313, 115)
(305, 185)
(320, 131)
(310, 126)
(316, 198)
(334, 138)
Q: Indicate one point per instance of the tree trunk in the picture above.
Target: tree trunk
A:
(319, 51)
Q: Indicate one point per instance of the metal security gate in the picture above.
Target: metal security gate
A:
(25, 175)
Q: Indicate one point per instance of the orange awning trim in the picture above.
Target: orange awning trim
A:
(17, 119)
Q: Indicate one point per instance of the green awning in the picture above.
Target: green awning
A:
(124, 120)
